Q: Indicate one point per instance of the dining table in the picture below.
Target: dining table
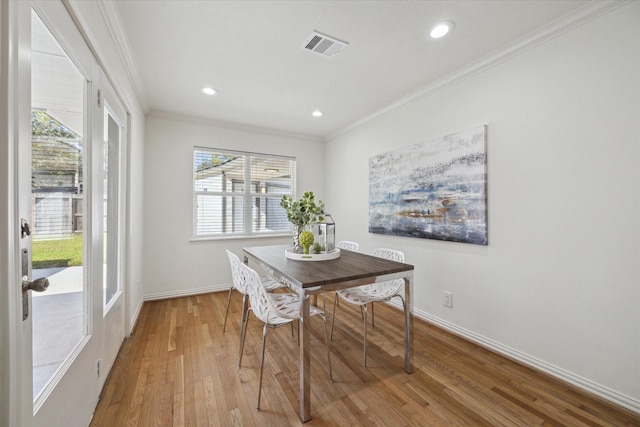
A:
(311, 277)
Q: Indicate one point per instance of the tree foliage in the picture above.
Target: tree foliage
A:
(43, 124)
(56, 153)
(215, 159)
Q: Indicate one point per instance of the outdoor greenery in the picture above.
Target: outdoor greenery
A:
(56, 153)
(65, 252)
(214, 159)
(43, 124)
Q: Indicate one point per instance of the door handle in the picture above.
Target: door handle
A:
(38, 285)
(25, 228)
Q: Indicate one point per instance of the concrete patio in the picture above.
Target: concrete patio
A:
(57, 322)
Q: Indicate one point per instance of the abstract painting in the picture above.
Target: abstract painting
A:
(432, 190)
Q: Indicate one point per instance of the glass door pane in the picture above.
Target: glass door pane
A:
(57, 165)
(111, 284)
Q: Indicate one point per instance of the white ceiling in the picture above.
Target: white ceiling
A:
(251, 52)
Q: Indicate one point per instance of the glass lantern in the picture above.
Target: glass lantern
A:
(324, 236)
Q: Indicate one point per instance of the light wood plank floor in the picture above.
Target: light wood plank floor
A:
(179, 369)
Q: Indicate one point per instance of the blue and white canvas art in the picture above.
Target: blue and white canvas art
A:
(433, 190)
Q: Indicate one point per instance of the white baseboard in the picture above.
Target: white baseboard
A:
(564, 375)
(185, 292)
(134, 318)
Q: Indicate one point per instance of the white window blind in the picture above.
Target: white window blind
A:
(238, 193)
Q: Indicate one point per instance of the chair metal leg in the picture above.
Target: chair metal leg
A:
(244, 336)
(364, 311)
(333, 317)
(373, 321)
(245, 308)
(324, 302)
(226, 312)
(326, 343)
(264, 342)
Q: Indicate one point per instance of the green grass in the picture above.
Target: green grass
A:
(65, 252)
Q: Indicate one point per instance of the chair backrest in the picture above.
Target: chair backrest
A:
(391, 254)
(348, 245)
(236, 273)
(257, 293)
(390, 287)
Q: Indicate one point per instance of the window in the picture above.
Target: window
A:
(239, 193)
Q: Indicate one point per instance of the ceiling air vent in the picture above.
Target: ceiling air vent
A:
(323, 45)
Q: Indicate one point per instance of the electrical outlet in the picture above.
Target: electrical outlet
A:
(448, 299)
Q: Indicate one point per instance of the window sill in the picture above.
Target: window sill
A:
(239, 237)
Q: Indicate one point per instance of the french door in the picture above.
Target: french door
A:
(70, 144)
(114, 198)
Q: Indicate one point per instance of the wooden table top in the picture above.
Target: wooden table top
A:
(351, 266)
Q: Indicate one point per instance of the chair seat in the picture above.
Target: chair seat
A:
(270, 283)
(375, 292)
(362, 295)
(287, 308)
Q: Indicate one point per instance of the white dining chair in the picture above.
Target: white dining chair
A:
(349, 245)
(342, 244)
(274, 310)
(375, 292)
(269, 283)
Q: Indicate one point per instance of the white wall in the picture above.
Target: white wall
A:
(558, 286)
(173, 264)
(95, 20)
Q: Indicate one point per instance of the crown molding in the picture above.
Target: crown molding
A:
(232, 125)
(73, 8)
(554, 29)
(111, 18)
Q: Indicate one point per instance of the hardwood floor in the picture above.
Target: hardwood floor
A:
(179, 369)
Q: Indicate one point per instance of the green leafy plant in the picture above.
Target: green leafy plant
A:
(306, 240)
(303, 211)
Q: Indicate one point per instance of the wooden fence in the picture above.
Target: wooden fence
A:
(56, 214)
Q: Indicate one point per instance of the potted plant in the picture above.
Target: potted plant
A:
(301, 213)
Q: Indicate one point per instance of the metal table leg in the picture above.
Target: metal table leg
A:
(408, 320)
(305, 361)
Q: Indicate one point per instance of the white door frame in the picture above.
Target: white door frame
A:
(15, 82)
(13, 79)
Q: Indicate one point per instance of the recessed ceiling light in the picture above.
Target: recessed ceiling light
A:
(441, 29)
(316, 113)
(209, 90)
